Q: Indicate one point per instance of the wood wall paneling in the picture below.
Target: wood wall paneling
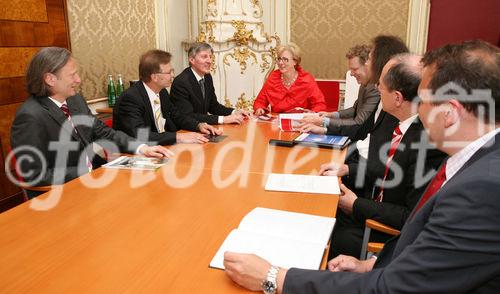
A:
(25, 27)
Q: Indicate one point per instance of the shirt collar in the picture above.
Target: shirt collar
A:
(58, 104)
(405, 125)
(457, 160)
(197, 76)
(151, 94)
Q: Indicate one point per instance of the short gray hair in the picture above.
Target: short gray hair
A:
(47, 60)
(197, 47)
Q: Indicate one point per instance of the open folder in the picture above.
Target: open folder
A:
(286, 239)
(324, 141)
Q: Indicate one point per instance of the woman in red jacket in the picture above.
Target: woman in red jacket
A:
(289, 86)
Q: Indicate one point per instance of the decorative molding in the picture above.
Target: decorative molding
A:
(162, 33)
(243, 50)
(418, 25)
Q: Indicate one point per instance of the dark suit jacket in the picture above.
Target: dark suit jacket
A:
(352, 117)
(409, 164)
(39, 122)
(133, 111)
(187, 97)
(449, 246)
(359, 132)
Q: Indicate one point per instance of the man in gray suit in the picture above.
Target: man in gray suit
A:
(368, 97)
(53, 130)
(450, 241)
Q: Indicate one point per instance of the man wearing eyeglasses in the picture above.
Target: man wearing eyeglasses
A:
(147, 105)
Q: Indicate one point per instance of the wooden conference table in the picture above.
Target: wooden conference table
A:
(156, 231)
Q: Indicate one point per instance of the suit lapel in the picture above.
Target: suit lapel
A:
(197, 89)
(147, 102)
(56, 114)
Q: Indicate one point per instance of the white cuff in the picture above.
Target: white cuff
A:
(221, 120)
(137, 151)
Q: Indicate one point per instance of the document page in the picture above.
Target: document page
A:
(286, 224)
(278, 251)
(287, 239)
(302, 183)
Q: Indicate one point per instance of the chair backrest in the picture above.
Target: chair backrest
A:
(331, 90)
(109, 122)
(351, 90)
(28, 191)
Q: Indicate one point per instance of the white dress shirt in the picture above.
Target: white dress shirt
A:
(220, 118)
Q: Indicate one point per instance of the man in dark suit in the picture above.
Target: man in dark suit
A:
(450, 242)
(53, 130)
(146, 105)
(193, 90)
(387, 184)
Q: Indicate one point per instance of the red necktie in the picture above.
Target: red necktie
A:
(65, 109)
(433, 187)
(397, 135)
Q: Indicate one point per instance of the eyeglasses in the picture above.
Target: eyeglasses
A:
(284, 59)
(166, 73)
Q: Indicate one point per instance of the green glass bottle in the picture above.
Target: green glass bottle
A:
(119, 86)
(111, 91)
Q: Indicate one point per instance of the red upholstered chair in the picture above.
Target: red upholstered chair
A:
(109, 122)
(331, 90)
(21, 183)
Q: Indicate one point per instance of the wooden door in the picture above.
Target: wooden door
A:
(25, 27)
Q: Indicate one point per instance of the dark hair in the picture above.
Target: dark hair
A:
(404, 76)
(197, 47)
(47, 60)
(472, 65)
(360, 51)
(150, 63)
(384, 47)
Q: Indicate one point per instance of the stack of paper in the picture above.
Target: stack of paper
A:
(303, 183)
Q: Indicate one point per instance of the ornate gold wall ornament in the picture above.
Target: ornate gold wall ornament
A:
(242, 36)
(243, 103)
(257, 13)
(212, 7)
(227, 102)
(209, 27)
(240, 54)
(213, 67)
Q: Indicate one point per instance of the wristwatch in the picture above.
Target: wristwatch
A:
(269, 285)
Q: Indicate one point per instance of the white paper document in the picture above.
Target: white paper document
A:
(302, 183)
(286, 239)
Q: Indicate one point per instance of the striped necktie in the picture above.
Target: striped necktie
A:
(397, 135)
(67, 113)
(158, 116)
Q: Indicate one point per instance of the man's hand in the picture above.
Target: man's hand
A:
(245, 113)
(325, 114)
(259, 111)
(312, 128)
(344, 263)
(208, 129)
(155, 151)
(235, 118)
(191, 137)
(346, 199)
(312, 119)
(249, 271)
(334, 169)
